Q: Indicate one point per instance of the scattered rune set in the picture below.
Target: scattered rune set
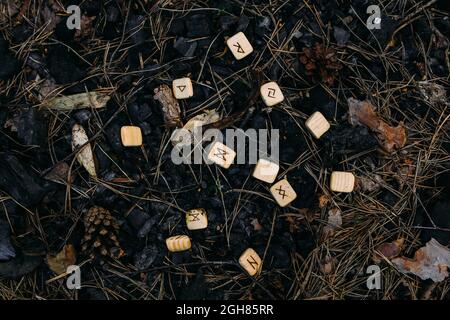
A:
(266, 170)
(221, 155)
(271, 94)
(182, 88)
(342, 181)
(239, 46)
(250, 261)
(178, 243)
(131, 136)
(196, 219)
(317, 124)
(283, 192)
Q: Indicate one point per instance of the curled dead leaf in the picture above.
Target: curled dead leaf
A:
(429, 262)
(334, 222)
(65, 258)
(85, 156)
(363, 113)
(59, 174)
(388, 250)
(366, 184)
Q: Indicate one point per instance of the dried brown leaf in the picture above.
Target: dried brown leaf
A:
(388, 250)
(429, 262)
(363, 113)
(65, 258)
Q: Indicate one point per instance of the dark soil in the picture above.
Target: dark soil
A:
(131, 47)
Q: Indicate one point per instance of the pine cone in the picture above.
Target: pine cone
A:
(100, 239)
(321, 63)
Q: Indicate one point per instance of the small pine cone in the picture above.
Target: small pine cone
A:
(100, 240)
(321, 63)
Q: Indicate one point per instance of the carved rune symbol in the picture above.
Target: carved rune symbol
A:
(252, 262)
(239, 48)
(194, 216)
(271, 93)
(181, 88)
(281, 192)
(221, 154)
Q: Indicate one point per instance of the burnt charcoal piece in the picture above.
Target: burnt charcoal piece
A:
(146, 257)
(139, 112)
(19, 181)
(197, 290)
(7, 251)
(440, 213)
(346, 139)
(135, 26)
(62, 32)
(341, 36)
(227, 22)
(10, 65)
(65, 66)
(198, 25)
(177, 28)
(112, 14)
(186, 47)
(32, 128)
(19, 266)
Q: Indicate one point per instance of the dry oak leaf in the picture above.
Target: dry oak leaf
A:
(363, 113)
(429, 262)
(65, 258)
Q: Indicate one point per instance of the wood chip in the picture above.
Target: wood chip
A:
(77, 101)
(85, 156)
(170, 107)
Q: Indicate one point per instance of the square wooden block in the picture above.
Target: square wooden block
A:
(250, 261)
(317, 124)
(271, 94)
(266, 170)
(239, 46)
(182, 88)
(283, 193)
(342, 181)
(221, 155)
(131, 136)
(178, 243)
(196, 219)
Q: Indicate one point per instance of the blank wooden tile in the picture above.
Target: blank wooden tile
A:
(250, 261)
(178, 243)
(182, 88)
(266, 170)
(317, 124)
(283, 193)
(196, 219)
(271, 94)
(239, 46)
(221, 155)
(342, 181)
(131, 136)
